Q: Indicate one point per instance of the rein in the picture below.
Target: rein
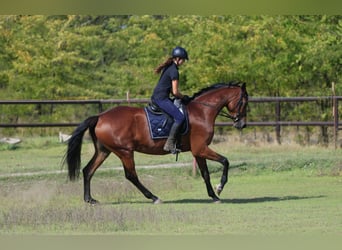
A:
(225, 113)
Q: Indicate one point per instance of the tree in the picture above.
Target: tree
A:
(90, 57)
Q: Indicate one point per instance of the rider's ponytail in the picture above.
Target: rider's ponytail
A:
(163, 65)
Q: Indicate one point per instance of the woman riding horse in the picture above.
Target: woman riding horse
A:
(123, 130)
(169, 84)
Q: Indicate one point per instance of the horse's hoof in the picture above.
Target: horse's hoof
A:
(219, 189)
(158, 201)
(92, 202)
(217, 201)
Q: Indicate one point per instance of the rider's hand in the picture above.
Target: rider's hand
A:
(186, 99)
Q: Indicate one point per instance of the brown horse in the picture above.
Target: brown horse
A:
(123, 130)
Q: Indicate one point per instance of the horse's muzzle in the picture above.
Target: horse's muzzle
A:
(240, 124)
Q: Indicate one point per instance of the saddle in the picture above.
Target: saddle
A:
(154, 108)
(160, 123)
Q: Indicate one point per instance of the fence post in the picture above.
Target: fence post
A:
(335, 113)
(100, 107)
(128, 98)
(194, 167)
(277, 121)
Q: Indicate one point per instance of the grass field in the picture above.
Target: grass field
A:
(272, 190)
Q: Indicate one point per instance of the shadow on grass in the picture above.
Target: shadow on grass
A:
(224, 201)
(248, 200)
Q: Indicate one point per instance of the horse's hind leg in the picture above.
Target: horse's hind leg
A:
(127, 159)
(100, 155)
(202, 165)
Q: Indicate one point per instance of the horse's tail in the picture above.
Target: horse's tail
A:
(73, 154)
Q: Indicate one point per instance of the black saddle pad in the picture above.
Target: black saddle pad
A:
(160, 124)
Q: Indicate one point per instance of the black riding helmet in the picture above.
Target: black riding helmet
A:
(180, 52)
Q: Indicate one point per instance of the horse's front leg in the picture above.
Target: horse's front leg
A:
(202, 165)
(224, 178)
(207, 153)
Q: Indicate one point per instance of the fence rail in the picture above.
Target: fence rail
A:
(277, 123)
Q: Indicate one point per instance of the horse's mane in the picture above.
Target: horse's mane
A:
(216, 86)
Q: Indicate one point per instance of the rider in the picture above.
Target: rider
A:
(169, 84)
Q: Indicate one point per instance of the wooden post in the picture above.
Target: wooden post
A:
(335, 113)
(128, 98)
(194, 167)
(100, 107)
(277, 121)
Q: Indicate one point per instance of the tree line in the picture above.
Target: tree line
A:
(89, 57)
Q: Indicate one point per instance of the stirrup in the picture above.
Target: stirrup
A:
(175, 151)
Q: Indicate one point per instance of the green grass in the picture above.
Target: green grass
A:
(272, 190)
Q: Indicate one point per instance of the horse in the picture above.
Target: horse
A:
(122, 130)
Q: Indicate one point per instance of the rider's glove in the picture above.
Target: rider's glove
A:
(186, 99)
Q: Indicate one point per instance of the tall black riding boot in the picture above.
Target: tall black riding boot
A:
(170, 144)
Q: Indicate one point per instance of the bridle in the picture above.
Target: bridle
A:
(238, 106)
(224, 113)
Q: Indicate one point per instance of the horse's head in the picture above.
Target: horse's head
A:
(237, 108)
(232, 96)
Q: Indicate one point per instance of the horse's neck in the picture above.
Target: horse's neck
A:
(218, 98)
(208, 106)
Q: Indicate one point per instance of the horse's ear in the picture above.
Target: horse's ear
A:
(243, 86)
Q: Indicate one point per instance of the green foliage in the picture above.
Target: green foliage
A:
(93, 57)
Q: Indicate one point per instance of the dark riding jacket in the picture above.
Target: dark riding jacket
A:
(161, 93)
(164, 86)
